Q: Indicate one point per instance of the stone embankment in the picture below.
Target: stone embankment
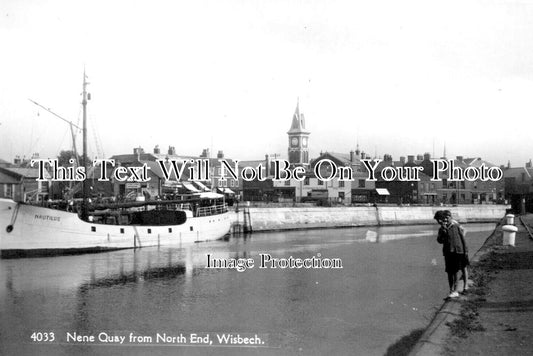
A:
(273, 218)
(494, 317)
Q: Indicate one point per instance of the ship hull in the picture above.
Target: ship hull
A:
(27, 230)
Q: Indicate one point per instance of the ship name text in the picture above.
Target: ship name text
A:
(47, 217)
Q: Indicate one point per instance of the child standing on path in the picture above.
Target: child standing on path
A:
(455, 251)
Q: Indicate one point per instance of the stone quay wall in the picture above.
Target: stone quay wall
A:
(282, 218)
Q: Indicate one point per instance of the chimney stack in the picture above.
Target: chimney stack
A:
(138, 151)
(267, 164)
(205, 153)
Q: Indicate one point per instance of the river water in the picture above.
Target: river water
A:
(391, 282)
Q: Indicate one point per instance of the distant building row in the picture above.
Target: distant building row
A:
(17, 180)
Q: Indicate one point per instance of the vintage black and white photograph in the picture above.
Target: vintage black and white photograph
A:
(260, 177)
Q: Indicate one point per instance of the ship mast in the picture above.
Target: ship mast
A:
(85, 186)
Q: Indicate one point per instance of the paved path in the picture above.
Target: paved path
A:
(496, 317)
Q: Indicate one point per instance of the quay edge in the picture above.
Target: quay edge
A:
(293, 218)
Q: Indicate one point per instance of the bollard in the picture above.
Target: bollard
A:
(509, 234)
(510, 219)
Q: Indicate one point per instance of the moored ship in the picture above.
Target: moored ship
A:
(35, 230)
(27, 229)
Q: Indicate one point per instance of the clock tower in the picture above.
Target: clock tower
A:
(298, 139)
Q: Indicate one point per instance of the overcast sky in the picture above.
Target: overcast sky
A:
(399, 77)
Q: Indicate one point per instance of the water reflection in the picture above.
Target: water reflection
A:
(81, 274)
(380, 235)
(134, 266)
(154, 273)
(377, 237)
(391, 280)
